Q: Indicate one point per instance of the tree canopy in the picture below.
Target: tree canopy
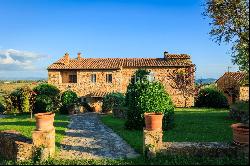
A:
(230, 24)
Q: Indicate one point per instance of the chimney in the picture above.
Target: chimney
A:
(78, 56)
(67, 58)
(165, 55)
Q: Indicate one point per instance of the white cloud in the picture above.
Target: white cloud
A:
(16, 60)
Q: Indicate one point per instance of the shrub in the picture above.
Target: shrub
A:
(47, 99)
(25, 94)
(240, 112)
(211, 98)
(145, 96)
(120, 112)
(15, 102)
(19, 100)
(68, 99)
(43, 103)
(112, 100)
(47, 89)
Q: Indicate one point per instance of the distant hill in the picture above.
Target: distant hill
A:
(206, 80)
(22, 78)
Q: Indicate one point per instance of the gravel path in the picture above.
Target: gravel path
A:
(88, 138)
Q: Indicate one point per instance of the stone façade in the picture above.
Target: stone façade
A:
(121, 76)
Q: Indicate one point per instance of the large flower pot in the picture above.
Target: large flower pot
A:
(44, 121)
(153, 121)
(240, 133)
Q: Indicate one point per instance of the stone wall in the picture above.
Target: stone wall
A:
(244, 93)
(14, 146)
(121, 79)
(153, 145)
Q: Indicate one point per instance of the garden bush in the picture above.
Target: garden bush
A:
(240, 112)
(47, 89)
(47, 99)
(211, 98)
(68, 99)
(145, 96)
(43, 103)
(112, 100)
(20, 100)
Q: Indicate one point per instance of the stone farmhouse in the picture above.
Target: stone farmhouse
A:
(235, 86)
(93, 78)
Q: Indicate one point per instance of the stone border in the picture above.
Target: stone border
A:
(152, 144)
(15, 146)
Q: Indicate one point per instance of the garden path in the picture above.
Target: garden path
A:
(88, 138)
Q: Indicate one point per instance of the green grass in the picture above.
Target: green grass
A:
(159, 160)
(25, 125)
(191, 125)
(186, 129)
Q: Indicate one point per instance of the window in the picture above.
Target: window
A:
(93, 78)
(72, 78)
(109, 78)
(68, 76)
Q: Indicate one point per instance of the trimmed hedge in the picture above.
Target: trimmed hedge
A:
(211, 98)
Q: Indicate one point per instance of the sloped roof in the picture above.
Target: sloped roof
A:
(117, 63)
(238, 77)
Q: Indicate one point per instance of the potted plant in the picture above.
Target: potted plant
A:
(153, 121)
(44, 118)
(240, 112)
(240, 133)
(44, 121)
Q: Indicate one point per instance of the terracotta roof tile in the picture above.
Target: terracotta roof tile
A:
(239, 77)
(116, 63)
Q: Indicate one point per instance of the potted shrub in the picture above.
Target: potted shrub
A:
(153, 121)
(148, 104)
(240, 133)
(45, 117)
(44, 121)
(240, 112)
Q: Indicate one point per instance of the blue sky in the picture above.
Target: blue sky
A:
(35, 33)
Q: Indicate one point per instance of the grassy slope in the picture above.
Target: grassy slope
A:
(195, 125)
(25, 125)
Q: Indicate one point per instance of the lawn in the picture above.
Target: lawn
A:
(25, 125)
(194, 125)
(191, 125)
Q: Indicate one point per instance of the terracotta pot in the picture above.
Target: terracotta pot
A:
(240, 133)
(153, 121)
(44, 121)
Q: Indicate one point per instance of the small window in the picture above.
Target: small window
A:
(93, 78)
(109, 78)
(73, 78)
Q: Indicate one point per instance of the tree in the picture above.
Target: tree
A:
(230, 24)
(183, 80)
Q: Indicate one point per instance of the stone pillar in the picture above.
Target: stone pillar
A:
(152, 142)
(43, 143)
